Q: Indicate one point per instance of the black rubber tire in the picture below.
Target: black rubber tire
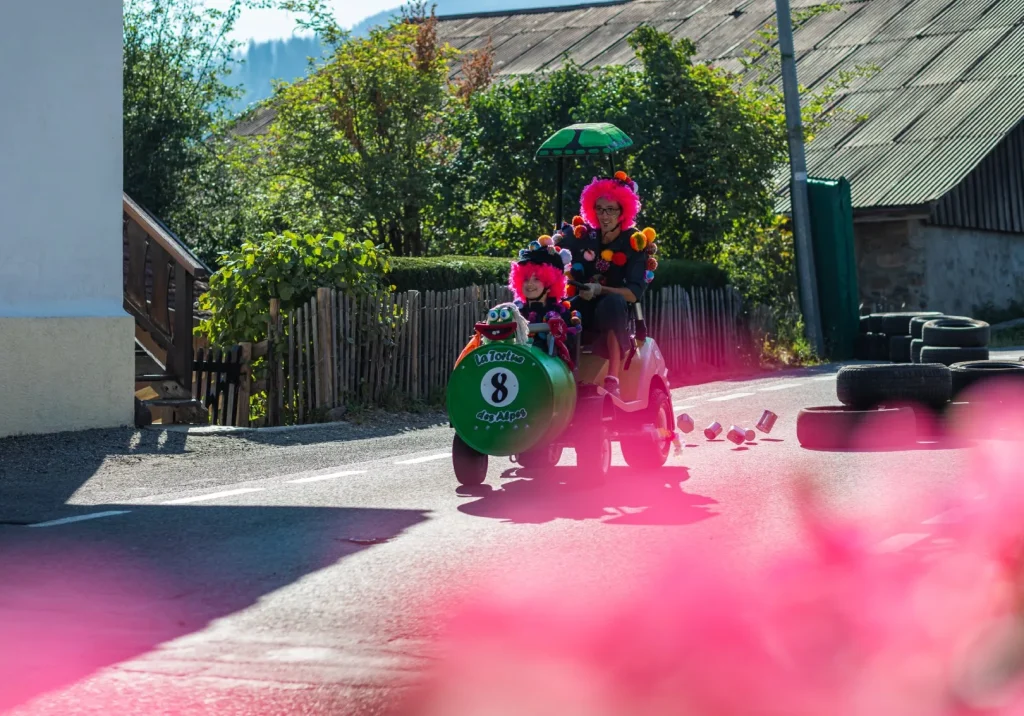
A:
(539, 458)
(875, 322)
(650, 453)
(863, 345)
(898, 324)
(470, 465)
(949, 356)
(970, 373)
(916, 344)
(867, 386)
(836, 427)
(899, 349)
(956, 332)
(865, 324)
(594, 456)
(918, 322)
(879, 347)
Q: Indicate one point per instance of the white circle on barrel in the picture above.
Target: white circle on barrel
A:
(499, 387)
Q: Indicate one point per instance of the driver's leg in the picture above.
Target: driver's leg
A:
(610, 316)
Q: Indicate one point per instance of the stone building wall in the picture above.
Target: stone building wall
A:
(967, 269)
(937, 268)
(891, 264)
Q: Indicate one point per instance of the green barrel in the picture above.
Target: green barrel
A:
(504, 399)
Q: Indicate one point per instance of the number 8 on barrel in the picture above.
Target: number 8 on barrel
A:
(499, 387)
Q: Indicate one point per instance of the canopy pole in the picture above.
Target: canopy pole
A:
(560, 173)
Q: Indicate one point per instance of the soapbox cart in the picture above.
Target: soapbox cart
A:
(522, 401)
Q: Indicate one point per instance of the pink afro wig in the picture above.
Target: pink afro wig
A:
(551, 277)
(612, 190)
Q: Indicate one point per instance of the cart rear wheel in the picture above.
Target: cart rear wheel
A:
(541, 457)
(470, 465)
(649, 452)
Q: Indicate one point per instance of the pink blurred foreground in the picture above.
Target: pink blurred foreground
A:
(829, 626)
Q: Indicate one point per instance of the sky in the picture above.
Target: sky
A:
(263, 25)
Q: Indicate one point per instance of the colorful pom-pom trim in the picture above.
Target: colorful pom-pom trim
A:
(649, 276)
(579, 232)
(602, 265)
(570, 290)
(607, 254)
(650, 234)
(619, 258)
(534, 245)
(545, 240)
(589, 255)
(638, 241)
(577, 221)
(652, 249)
(652, 264)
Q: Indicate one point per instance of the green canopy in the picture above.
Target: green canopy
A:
(583, 139)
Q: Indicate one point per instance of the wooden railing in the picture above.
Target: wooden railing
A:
(159, 290)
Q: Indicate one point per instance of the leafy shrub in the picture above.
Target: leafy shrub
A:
(681, 272)
(288, 266)
(444, 272)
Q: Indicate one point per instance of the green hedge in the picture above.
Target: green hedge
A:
(444, 272)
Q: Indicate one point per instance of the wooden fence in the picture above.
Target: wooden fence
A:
(338, 349)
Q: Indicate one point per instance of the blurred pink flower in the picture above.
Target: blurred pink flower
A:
(826, 626)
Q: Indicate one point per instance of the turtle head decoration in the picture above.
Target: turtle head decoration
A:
(504, 324)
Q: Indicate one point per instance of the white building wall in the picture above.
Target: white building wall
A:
(66, 359)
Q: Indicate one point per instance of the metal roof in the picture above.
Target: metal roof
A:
(948, 89)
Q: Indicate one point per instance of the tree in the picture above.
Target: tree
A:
(176, 59)
(358, 144)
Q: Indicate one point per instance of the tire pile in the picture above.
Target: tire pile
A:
(932, 358)
(922, 337)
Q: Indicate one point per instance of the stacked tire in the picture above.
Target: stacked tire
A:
(950, 339)
(889, 406)
(877, 406)
(887, 336)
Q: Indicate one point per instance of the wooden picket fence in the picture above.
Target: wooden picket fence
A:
(339, 349)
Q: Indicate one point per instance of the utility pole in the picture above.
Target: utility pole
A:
(798, 182)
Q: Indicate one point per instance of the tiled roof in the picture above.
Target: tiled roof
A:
(949, 89)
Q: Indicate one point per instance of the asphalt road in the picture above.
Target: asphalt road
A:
(299, 571)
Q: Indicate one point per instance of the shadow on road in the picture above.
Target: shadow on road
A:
(78, 598)
(41, 472)
(628, 497)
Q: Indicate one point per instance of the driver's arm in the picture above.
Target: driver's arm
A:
(624, 292)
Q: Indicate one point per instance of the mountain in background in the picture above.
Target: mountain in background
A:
(287, 59)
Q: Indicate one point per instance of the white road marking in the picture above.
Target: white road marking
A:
(946, 518)
(213, 496)
(80, 518)
(428, 458)
(681, 407)
(731, 396)
(784, 386)
(825, 377)
(901, 541)
(331, 476)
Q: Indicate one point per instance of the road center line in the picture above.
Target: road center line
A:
(784, 386)
(732, 396)
(831, 376)
(331, 476)
(901, 541)
(80, 518)
(213, 496)
(945, 518)
(428, 458)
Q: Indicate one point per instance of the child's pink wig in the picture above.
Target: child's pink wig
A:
(612, 190)
(551, 277)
